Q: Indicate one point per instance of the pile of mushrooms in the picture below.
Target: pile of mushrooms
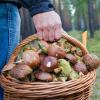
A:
(50, 62)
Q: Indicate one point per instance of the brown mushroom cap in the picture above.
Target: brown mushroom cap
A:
(43, 76)
(71, 58)
(91, 61)
(31, 58)
(49, 64)
(80, 67)
(20, 71)
(56, 51)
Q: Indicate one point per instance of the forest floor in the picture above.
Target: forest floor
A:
(93, 46)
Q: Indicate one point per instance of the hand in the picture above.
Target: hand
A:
(48, 26)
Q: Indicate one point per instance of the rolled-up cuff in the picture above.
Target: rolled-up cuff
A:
(40, 8)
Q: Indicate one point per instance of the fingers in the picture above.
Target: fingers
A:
(39, 34)
(51, 34)
(58, 31)
(45, 34)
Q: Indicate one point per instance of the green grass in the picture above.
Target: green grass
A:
(93, 46)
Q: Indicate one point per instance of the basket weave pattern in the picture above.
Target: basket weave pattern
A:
(79, 89)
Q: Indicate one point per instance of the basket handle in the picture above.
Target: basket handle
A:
(33, 37)
(75, 42)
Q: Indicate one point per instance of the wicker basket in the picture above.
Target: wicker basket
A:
(79, 89)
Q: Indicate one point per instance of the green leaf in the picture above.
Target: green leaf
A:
(73, 75)
(65, 65)
(42, 47)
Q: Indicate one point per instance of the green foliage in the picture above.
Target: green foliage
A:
(66, 67)
(93, 45)
(74, 75)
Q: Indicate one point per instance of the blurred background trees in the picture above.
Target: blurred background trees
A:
(79, 14)
(75, 15)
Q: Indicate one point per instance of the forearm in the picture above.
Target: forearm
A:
(37, 6)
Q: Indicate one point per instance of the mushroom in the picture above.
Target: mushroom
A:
(71, 58)
(43, 76)
(49, 64)
(56, 51)
(20, 71)
(80, 67)
(92, 61)
(31, 58)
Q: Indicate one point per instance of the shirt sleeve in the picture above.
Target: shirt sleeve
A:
(37, 6)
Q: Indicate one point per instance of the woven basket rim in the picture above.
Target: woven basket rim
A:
(49, 89)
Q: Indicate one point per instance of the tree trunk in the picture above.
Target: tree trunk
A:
(97, 13)
(91, 17)
(65, 18)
